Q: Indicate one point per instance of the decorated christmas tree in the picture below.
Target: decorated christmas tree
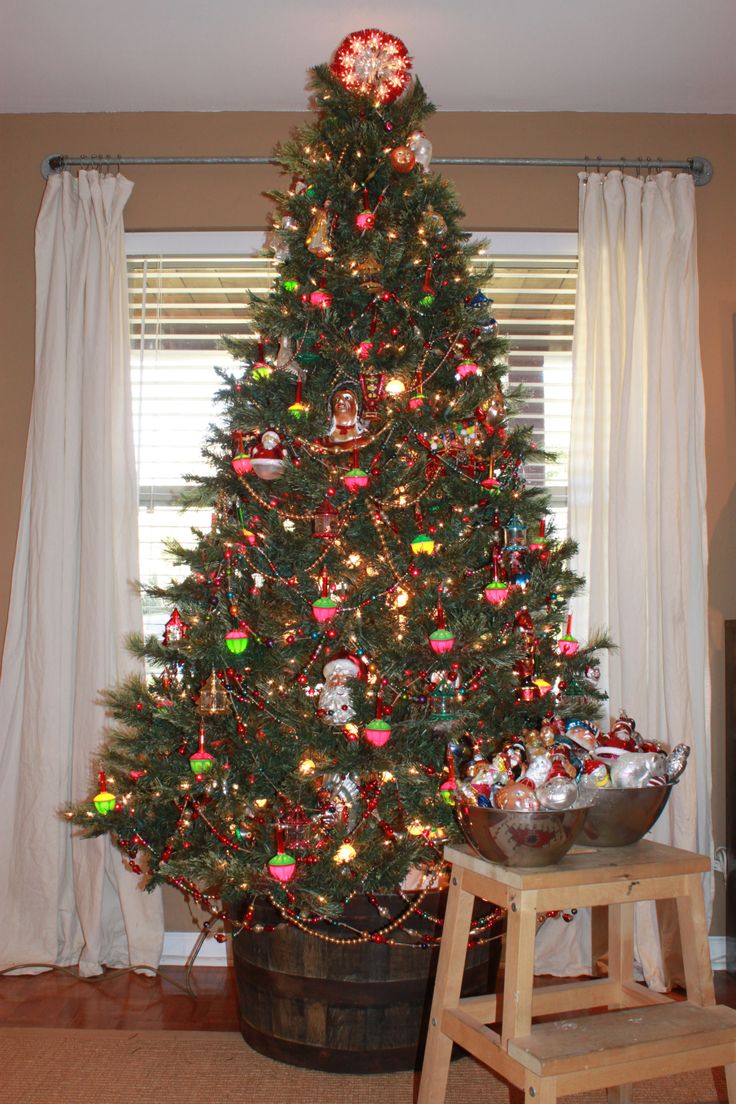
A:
(381, 602)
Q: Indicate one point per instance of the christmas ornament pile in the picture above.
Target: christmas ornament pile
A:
(562, 765)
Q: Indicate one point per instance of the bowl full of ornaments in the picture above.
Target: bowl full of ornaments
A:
(565, 782)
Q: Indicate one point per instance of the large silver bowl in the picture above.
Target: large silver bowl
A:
(513, 838)
(620, 817)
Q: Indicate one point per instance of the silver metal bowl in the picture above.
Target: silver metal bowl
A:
(620, 817)
(514, 838)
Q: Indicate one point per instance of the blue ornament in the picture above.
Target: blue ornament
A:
(479, 300)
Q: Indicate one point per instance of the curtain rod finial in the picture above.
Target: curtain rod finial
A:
(702, 170)
(51, 164)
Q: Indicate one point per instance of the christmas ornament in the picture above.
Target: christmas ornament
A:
(467, 368)
(321, 298)
(365, 219)
(318, 236)
(517, 796)
(378, 731)
(514, 532)
(201, 762)
(104, 802)
(567, 645)
(175, 630)
(346, 429)
(240, 462)
(344, 854)
(395, 387)
(298, 408)
(676, 762)
(324, 608)
(339, 795)
(441, 640)
(355, 479)
(290, 284)
(421, 147)
(261, 369)
(372, 63)
(325, 520)
(372, 383)
(422, 545)
(236, 641)
(282, 866)
(497, 591)
(479, 300)
(402, 159)
(285, 359)
(213, 697)
(434, 223)
(335, 700)
(427, 298)
(267, 455)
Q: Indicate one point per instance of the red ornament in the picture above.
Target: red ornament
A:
(175, 629)
(402, 159)
(372, 63)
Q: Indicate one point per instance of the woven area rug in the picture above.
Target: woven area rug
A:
(59, 1066)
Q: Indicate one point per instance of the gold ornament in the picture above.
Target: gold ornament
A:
(318, 235)
(213, 697)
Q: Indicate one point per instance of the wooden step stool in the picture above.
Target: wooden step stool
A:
(644, 1033)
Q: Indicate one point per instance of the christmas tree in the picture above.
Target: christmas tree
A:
(381, 597)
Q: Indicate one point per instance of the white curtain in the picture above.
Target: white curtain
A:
(65, 900)
(637, 495)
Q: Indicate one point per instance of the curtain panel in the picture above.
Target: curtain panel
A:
(65, 900)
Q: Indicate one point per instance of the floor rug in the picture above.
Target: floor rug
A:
(61, 1066)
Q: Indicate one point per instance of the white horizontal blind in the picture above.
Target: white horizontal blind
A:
(187, 292)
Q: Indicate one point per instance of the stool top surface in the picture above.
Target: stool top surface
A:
(583, 865)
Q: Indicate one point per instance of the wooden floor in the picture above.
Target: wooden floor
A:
(128, 1001)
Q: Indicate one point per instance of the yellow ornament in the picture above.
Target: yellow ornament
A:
(318, 235)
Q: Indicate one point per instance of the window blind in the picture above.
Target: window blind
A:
(181, 304)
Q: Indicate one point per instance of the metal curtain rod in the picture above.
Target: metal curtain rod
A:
(700, 167)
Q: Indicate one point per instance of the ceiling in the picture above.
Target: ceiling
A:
(471, 55)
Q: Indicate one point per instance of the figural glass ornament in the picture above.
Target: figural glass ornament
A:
(175, 629)
(497, 591)
(213, 697)
(324, 608)
(240, 462)
(267, 456)
(441, 640)
(567, 645)
(378, 731)
(318, 236)
(236, 641)
(104, 802)
(201, 762)
(421, 147)
(325, 520)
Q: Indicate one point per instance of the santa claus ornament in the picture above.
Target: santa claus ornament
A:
(267, 455)
(335, 700)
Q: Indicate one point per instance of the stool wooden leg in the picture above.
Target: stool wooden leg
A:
(694, 941)
(621, 949)
(620, 1094)
(447, 986)
(521, 927)
(730, 1072)
(544, 1092)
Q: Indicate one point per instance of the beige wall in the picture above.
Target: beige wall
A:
(501, 198)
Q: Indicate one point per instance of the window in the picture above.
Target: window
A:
(187, 290)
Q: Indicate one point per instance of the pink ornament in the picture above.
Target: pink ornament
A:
(467, 368)
(321, 299)
(377, 732)
(365, 220)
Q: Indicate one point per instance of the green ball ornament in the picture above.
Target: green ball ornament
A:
(236, 641)
(201, 762)
(104, 802)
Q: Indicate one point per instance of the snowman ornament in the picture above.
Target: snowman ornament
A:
(335, 699)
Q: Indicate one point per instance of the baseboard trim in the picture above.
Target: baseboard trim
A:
(179, 945)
